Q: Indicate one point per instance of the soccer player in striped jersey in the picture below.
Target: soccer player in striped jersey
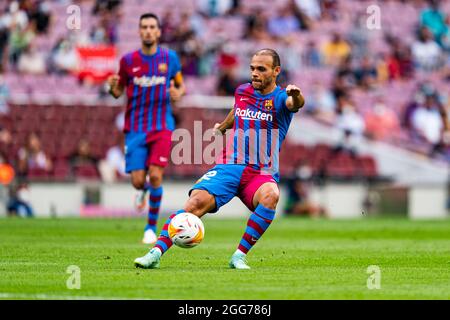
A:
(151, 78)
(248, 167)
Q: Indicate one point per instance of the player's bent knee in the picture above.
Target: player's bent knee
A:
(269, 199)
(199, 203)
(155, 180)
(138, 183)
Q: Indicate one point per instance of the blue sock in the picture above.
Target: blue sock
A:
(154, 204)
(257, 224)
(164, 243)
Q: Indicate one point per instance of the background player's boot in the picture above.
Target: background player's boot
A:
(238, 261)
(139, 200)
(149, 237)
(149, 261)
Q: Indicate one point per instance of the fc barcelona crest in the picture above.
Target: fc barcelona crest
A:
(162, 67)
(268, 105)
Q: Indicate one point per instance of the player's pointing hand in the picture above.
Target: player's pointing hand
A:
(293, 90)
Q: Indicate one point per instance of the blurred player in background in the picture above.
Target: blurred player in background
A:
(151, 78)
(248, 167)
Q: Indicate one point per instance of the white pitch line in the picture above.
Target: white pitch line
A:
(6, 295)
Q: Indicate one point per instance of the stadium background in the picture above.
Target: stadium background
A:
(371, 145)
(373, 83)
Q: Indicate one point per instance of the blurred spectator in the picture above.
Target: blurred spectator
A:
(188, 45)
(105, 5)
(336, 50)
(227, 64)
(305, 22)
(400, 61)
(227, 83)
(393, 66)
(64, 58)
(344, 79)
(434, 19)
(190, 54)
(214, 8)
(256, 27)
(446, 70)
(350, 124)
(321, 103)
(330, 9)
(236, 8)
(31, 61)
(366, 74)
(14, 17)
(411, 106)
(427, 120)
(426, 52)
(32, 158)
(5, 137)
(168, 27)
(83, 156)
(4, 96)
(112, 168)
(348, 118)
(299, 200)
(284, 24)
(40, 15)
(19, 201)
(5, 146)
(311, 55)
(359, 36)
(382, 69)
(310, 7)
(380, 121)
(4, 35)
(19, 40)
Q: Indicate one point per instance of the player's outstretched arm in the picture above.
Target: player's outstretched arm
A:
(115, 88)
(295, 99)
(220, 128)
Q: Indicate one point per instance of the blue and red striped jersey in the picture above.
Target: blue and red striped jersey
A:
(261, 123)
(147, 82)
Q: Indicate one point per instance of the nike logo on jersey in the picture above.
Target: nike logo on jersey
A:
(163, 159)
(244, 99)
(136, 69)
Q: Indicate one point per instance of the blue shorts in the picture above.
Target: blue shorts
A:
(225, 181)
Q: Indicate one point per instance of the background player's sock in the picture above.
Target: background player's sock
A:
(257, 224)
(154, 203)
(164, 242)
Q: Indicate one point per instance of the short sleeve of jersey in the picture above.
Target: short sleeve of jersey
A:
(238, 91)
(123, 74)
(281, 101)
(174, 63)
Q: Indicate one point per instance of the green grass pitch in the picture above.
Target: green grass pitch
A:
(295, 259)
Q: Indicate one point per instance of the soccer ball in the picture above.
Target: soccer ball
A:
(186, 230)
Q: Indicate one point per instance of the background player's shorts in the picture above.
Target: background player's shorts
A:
(145, 149)
(226, 181)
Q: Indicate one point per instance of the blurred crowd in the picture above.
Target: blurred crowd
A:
(22, 21)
